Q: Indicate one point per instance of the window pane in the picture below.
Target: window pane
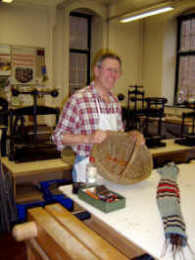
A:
(193, 35)
(186, 84)
(78, 33)
(188, 35)
(185, 35)
(78, 71)
(186, 60)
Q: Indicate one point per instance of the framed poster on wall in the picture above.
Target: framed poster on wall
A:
(23, 65)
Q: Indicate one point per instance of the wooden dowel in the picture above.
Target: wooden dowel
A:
(25, 231)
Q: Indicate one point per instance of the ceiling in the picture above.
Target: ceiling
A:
(117, 6)
(130, 3)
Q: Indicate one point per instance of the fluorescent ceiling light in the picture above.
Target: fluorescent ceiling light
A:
(7, 1)
(146, 14)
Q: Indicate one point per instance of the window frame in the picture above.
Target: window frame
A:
(88, 50)
(179, 53)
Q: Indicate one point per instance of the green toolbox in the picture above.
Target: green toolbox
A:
(88, 194)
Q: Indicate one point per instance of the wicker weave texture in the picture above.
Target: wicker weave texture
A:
(121, 161)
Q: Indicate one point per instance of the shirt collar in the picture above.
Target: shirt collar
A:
(94, 90)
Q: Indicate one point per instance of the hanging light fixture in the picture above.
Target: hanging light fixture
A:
(146, 14)
(143, 13)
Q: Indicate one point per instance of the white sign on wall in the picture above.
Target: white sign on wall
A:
(23, 65)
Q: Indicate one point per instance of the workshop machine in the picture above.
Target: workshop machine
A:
(29, 140)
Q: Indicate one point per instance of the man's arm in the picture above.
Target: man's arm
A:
(74, 139)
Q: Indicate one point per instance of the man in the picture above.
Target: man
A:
(90, 112)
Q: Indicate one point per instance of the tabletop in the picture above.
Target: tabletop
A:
(170, 147)
(140, 220)
(35, 166)
(68, 159)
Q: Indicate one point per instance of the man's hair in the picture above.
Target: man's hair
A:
(107, 55)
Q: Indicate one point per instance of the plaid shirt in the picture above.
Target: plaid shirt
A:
(80, 116)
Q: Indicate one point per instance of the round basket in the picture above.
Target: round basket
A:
(120, 160)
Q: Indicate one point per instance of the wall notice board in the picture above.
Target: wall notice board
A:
(24, 64)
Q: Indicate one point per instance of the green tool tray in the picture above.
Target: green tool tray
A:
(100, 204)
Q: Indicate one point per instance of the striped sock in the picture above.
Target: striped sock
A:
(168, 201)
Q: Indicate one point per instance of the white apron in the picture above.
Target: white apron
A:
(106, 122)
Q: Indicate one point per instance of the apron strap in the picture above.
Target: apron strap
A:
(98, 106)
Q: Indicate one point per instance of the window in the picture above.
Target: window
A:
(185, 70)
(80, 31)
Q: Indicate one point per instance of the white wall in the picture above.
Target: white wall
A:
(61, 41)
(147, 48)
(155, 49)
(22, 26)
(169, 60)
(30, 27)
(124, 39)
(159, 63)
(48, 28)
(152, 62)
(59, 54)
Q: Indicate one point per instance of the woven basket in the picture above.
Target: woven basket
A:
(120, 160)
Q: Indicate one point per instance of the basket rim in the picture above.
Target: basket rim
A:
(118, 178)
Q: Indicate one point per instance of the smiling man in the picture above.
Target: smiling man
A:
(89, 113)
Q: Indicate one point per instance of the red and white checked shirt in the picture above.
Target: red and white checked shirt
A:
(80, 116)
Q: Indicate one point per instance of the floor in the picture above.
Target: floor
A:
(10, 249)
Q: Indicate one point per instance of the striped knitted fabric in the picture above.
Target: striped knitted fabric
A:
(168, 200)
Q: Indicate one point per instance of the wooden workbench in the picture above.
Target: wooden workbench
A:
(177, 120)
(140, 222)
(171, 152)
(36, 169)
(28, 173)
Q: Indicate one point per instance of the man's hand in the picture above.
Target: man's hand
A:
(136, 135)
(97, 137)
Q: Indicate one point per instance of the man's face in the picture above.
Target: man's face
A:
(107, 75)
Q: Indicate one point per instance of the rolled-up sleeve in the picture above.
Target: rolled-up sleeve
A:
(67, 123)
